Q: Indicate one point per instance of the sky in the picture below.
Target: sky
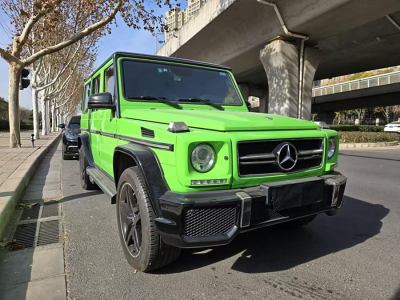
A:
(122, 38)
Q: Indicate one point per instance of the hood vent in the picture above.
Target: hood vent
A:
(147, 132)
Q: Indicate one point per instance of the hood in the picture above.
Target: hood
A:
(71, 133)
(221, 120)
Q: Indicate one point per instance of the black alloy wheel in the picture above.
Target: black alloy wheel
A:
(141, 243)
(130, 219)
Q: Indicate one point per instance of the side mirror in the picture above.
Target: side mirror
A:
(62, 125)
(101, 100)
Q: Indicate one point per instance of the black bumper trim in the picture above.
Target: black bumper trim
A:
(256, 207)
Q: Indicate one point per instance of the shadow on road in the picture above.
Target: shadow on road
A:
(278, 248)
(370, 157)
(81, 195)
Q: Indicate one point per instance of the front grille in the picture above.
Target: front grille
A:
(201, 222)
(257, 158)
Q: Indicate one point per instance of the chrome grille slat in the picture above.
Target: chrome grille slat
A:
(256, 158)
(260, 162)
(310, 152)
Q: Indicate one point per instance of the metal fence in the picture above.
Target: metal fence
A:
(357, 84)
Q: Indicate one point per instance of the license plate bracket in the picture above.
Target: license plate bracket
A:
(294, 193)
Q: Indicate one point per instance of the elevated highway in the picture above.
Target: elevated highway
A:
(379, 90)
(277, 51)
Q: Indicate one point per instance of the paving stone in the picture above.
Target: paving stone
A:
(53, 288)
(39, 187)
(31, 264)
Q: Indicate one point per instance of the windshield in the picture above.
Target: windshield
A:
(73, 125)
(175, 83)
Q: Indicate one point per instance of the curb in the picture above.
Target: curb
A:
(14, 187)
(367, 145)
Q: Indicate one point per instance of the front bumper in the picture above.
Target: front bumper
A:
(215, 218)
(70, 146)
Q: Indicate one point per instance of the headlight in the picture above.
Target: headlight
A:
(203, 158)
(331, 147)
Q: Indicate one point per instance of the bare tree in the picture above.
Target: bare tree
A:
(85, 18)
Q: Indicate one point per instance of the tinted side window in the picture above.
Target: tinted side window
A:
(86, 97)
(96, 85)
(109, 80)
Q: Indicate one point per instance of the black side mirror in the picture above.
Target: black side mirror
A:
(62, 125)
(101, 100)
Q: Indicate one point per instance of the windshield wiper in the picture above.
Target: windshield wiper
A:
(157, 99)
(201, 101)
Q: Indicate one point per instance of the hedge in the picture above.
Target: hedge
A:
(23, 125)
(363, 128)
(367, 137)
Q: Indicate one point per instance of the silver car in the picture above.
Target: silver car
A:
(392, 127)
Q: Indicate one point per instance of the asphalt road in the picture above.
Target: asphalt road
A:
(353, 255)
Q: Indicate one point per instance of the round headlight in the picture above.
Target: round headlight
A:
(331, 148)
(203, 158)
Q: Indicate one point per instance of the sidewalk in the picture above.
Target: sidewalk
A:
(16, 167)
(32, 266)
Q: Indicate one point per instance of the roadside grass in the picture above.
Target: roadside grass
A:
(367, 137)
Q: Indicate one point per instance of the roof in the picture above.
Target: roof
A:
(159, 58)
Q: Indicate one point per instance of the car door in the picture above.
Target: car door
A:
(95, 122)
(108, 123)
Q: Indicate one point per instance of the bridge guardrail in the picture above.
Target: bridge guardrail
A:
(357, 84)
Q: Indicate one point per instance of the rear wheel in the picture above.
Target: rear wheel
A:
(142, 245)
(84, 177)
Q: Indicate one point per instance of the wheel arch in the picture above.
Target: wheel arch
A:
(144, 158)
(84, 143)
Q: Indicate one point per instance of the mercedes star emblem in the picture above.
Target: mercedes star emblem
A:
(286, 156)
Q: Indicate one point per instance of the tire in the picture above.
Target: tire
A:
(65, 156)
(142, 245)
(300, 222)
(84, 177)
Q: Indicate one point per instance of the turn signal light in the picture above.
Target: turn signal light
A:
(209, 182)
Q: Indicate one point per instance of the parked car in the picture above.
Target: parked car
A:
(172, 142)
(70, 138)
(392, 127)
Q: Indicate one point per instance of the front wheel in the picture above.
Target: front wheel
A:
(142, 245)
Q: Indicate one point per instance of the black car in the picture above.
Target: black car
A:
(70, 137)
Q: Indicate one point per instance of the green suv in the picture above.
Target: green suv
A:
(171, 141)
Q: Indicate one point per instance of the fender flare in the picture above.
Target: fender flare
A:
(84, 143)
(146, 160)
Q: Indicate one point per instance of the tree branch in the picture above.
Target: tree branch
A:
(76, 37)
(21, 40)
(9, 57)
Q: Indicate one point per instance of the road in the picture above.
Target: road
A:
(354, 255)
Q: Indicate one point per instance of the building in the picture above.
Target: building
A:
(176, 18)
(194, 7)
(173, 20)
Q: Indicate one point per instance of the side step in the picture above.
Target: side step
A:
(102, 180)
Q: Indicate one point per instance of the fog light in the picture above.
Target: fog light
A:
(209, 182)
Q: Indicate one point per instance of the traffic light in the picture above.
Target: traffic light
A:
(24, 82)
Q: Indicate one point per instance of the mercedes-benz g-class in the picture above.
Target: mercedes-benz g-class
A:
(172, 142)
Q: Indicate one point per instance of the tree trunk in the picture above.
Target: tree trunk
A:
(44, 118)
(53, 118)
(47, 116)
(14, 72)
(35, 112)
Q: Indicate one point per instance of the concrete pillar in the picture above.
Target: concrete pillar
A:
(280, 60)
